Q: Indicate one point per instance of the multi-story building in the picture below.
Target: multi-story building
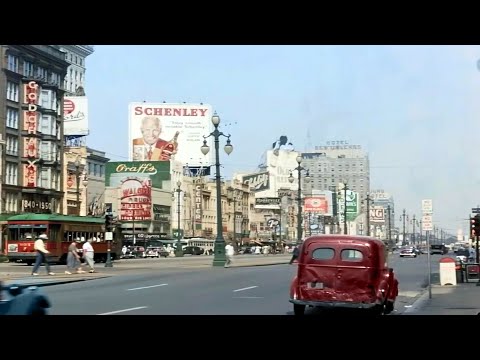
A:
(338, 163)
(75, 55)
(84, 184)
(31, 115)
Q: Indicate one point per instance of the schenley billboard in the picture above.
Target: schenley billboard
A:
(161, 131)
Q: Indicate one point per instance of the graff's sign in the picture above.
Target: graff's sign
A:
(145, 168)
(257, 182)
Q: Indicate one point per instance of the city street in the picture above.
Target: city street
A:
(261, 290)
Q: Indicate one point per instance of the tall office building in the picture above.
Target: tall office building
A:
(31, 126)
(338, 162)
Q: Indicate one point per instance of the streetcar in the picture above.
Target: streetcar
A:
(62, 230)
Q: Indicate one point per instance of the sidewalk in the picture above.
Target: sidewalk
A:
(461, 299)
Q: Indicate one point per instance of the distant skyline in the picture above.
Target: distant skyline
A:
(415, 109)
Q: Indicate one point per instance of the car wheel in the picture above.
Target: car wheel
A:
(389, 307)
(298, 310)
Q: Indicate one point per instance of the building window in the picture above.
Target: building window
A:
(12, 63)
(45, 180)
(12, 91)
(41, 73)
(12, 118)
(48, 125)
(47, 150)
(11, 174)
(48, 100)
(12, 145)
(11, 204)
(28, 70)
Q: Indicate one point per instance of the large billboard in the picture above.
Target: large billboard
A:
(75, 115)
(258, 181)
(160, 131)
(117, 171)
(134, 181)
(280, 164)
(316, 204)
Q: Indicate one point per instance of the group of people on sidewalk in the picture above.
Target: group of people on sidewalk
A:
(74, 263)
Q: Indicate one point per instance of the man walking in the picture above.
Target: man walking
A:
(229, 252)
(39, 246)
(88, 253)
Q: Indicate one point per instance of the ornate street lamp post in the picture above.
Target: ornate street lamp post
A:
(291, 179)
(219, 249)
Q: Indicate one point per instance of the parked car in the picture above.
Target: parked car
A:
(18, 300)
(193, 250)
(343, 271)
(408, 252)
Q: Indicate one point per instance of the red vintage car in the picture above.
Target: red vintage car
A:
(343, 271)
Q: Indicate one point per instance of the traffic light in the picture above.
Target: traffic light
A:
(108, 222)
(475, 226)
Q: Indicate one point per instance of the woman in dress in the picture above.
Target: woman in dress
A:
(73, 259)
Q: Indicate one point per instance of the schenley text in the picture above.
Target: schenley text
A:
(161, 111)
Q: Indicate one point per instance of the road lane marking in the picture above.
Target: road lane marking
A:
(124, 310)
(247, 288)
(248, 297)
(147, 287)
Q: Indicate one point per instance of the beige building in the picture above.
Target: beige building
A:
(84, 181)
(198, 209)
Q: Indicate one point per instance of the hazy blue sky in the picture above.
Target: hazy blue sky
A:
(414, 108)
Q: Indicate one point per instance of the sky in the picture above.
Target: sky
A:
(415, 109)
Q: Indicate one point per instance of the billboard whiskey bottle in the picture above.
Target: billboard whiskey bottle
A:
(171, 147)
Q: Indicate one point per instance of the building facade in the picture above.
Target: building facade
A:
(31, 115)
(75, 55)
(343, 163)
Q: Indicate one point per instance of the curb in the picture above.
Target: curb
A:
(278, 263)
(419, 303)
(54, 282)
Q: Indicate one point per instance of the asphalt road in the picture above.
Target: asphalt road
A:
(262, 290)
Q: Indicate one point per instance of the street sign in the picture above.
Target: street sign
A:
(427, 206)
(109, 236)
(427, 222)
(475, 210)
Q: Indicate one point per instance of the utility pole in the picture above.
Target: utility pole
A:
(389, 227)
(368, 199)
(404, 215)
(413, 230)
(345, 188)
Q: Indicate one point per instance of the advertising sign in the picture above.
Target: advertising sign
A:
(134, 181)
(75, 115)
(257, 182)
(377, 214)
(157, 171)
(427, 206)
(280, 163)
(317, 204)
(267, 201)
(135, 198)
(161, 131)
(352, 205)
(30, 143)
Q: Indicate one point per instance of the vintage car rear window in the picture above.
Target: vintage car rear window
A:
(351, 255)
(323, 254)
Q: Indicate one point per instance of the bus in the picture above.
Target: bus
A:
(24, 229)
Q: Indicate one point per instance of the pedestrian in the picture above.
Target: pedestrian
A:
(41, 257)
(88, 253)
(229, 252)
(295, 253)
(73, 259)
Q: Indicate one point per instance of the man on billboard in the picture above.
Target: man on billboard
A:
(150, 146)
